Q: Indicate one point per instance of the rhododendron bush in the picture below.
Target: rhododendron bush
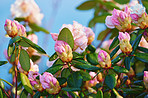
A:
(118, 67)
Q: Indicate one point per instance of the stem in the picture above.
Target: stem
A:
(69, 67)
(16, 63)
(5, 92)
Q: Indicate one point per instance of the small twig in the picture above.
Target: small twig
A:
(5, 92)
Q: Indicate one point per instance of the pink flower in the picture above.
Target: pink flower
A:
(90, 34)
(104, 59)
(143, 43)
(125, 45)
(123, 36)
(13, 28)
(94, 81)
(63, 50)
(119, 19)
(54, 36)
(145, 79)
(49, 83)
(32, 77)
(33, 38)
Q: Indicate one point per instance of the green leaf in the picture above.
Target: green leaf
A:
(37, 95)
(54, 69)
(114, 43)
(77, 55)
(100, 19)
(24, 94)
(19, 19)
(61, 80)
(26, 83)
(1, 93)
(110, 5)
(142, 57)
(37, 28)
(110, 81)
(10, 50)
(143, 49)
(136, 42)
(2, 84)
(74, 80)
(24, 60)
(85, 75)
(91, 48)
(71, 89)
(7, 82)
(33, 45)
(127, 63)
(122, 1)
(107, 95)
(53, 57)
(92, 58)
(99, 94)
(114, 51)
(14, 40)
(66, 35)
(145, 4)
(3, 62)
(34, 58)
(12, 59)
(103, 34)
(117, 59)
(120, 69)
(87, 5)
(58, 62)
(24, 44)
(65, 73)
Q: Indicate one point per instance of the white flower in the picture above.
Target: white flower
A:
(138, 9)
(27, 9)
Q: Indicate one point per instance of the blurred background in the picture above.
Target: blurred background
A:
(56, 13)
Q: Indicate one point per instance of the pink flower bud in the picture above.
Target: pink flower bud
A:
(119, 19)
(11, 28)
(50, 83)
(21, 31)
(90, 34)
(104, 59)
(145, 79)
(54, 36)
(143, 43)
(35, 82)
(64, 51)
(123, 36)
(125, 45)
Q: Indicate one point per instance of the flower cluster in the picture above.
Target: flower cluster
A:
(27, 9)
(82, 36)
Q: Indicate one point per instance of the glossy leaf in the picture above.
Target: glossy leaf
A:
(24, 60)
(100, 19)
(103, 34)
(37, 28)
(127, 63)
(92, 58)
(136, 42)
(110, 5)
(54, 69)
(12, 59)
(33, 45)
(37, 95)
(65, 73)
(120, 69)
(66, 35)
(7, 82)
(61, 80)
(77, 55)
(114, 43)
(19, 19)
(115, 60)
(87, 5)
(114, 51)
(74, 80)
(58, 62)
(122, 1)
(145, 4)
(10, 50)
(99, 94)
(143, 49)
(35, 58)
(1, 93)
(53, 57)
(91, 48)
(110, 81)
(24, 94)
(142, 57)
(14, 40)
(85, 75)
(26, 83)
(71, 89)
(3, 62)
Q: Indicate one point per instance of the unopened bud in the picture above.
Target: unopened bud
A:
(64, 51)
(125, 45)
(50, 83)
(104, 59)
